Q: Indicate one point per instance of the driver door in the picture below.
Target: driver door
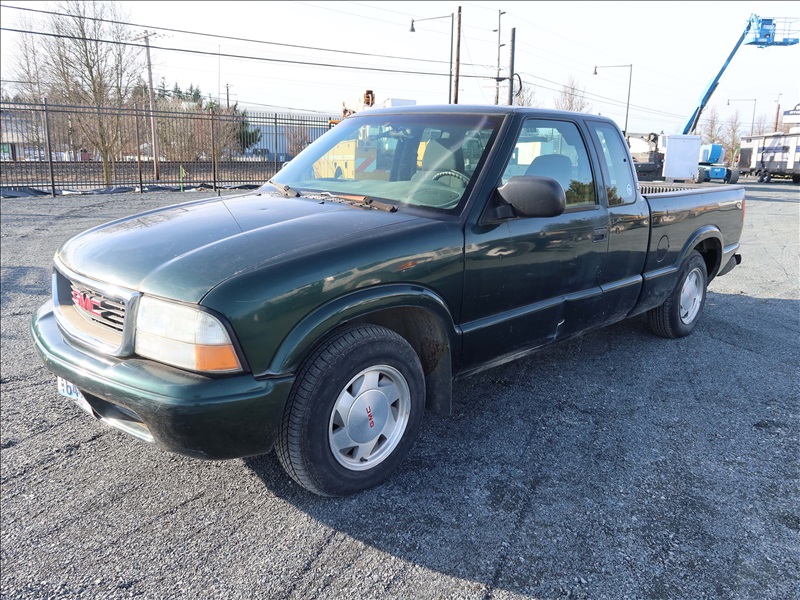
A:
(529, 281)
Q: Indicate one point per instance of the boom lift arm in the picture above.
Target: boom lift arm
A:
(763, 35)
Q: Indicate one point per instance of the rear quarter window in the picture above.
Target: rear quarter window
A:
(620, 183)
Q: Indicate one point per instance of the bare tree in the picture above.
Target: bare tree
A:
(572, 98)
(762, 125)
(85, 58)
(28, 70)
(711, 128)
(297, 138)
(731, 138)
(91, 59)
(526, 96)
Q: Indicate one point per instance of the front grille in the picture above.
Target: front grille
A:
(98, 308)
(93, 313)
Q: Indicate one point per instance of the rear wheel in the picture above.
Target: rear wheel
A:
(681, 311)
(353, 412)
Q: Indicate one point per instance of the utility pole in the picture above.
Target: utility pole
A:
(777, 111)
(458, 56)
(511, 68)
(500, 13)
(154, 139)
(227, 95)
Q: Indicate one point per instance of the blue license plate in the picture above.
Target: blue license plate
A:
(71, 391)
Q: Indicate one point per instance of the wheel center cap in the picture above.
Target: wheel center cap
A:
(367, 416)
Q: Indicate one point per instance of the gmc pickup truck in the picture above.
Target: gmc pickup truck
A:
(321, 314)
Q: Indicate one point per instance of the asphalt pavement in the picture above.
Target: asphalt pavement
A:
(617, 465)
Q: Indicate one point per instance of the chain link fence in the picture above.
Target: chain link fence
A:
(55, 149)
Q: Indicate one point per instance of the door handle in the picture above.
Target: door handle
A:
(599, 234)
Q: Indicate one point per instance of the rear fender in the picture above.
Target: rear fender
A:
(659, 284)
(708, 241)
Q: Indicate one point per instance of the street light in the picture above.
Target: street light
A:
(450, 16)
(630, 79)
(753, 100)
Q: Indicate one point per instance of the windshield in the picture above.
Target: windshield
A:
(425, 160)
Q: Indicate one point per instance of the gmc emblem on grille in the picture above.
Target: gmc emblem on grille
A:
(86, 302)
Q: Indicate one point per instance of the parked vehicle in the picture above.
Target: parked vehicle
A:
(712, 165)
(320, 315)
(771, 155)
(648, 157)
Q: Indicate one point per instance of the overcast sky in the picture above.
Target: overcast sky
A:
(675, 49)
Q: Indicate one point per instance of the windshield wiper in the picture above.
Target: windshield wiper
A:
(362, 200)
(284, 189)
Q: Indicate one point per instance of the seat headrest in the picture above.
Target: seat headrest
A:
(555, 166)
(438, 158)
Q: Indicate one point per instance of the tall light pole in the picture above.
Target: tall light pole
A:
(630, 79)
(153, 127)
(451, 17)
(753, 100)
(511, 69)
(500, 13)
(777, 110)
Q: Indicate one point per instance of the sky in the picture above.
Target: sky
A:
(291, 56)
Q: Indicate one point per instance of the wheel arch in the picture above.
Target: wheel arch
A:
(708, 242)
(417, 314)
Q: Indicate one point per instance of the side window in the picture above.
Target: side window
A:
(554, 149)
(620, 183)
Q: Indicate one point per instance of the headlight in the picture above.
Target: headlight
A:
(184, 337)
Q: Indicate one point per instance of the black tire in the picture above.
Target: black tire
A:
(700, 176)
(681, 311)
(361, 377)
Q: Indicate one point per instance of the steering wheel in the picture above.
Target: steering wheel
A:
(455, 174)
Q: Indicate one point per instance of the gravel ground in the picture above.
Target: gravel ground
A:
(618, 465)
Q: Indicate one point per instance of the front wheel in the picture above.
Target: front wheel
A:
(679, 314)
(353, 412)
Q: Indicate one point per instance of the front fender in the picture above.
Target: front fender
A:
(314, 326)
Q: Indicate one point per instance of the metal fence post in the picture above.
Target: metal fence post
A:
(49, 148)
(138, 147)
(275, 153)
(213, 153)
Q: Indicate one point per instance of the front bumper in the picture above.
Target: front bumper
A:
(182, 412)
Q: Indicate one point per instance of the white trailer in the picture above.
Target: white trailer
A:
(771, 155)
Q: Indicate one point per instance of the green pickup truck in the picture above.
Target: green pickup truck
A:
(321, 314)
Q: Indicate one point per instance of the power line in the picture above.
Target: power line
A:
(604, 98)
(238, 56)
(230, 38)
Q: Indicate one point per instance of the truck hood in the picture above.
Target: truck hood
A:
(183, 251)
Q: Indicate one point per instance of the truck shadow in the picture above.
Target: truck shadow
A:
(588, 458)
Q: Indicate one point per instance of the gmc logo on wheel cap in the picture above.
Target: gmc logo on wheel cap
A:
(86, 302)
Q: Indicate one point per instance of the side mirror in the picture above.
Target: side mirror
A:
(533, 196)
